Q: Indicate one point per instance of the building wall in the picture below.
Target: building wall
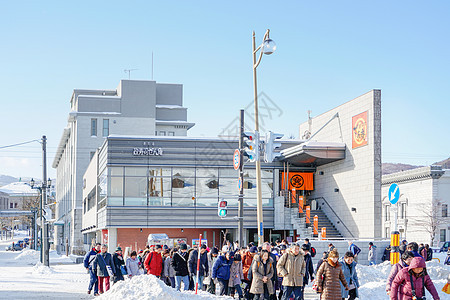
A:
(358, 177)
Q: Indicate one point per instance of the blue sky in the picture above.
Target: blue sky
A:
(328, 52)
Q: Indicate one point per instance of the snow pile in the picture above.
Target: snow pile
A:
(28, 256)
(150, 287)
(373, 279)
(40, 269)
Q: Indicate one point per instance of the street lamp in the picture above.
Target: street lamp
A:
(267, 47)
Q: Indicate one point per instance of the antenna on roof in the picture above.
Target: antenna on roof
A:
(129, 72)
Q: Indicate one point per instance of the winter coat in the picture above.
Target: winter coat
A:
(236, 274)
(331, 288)
(372, 256)
(394, 271)
(350, 276)
(154, 263)
(101, 261)
(89, 258)
(192, 263)
(401, 286)
(309, 272)
(169, 271)
(292, 268)
(180, 264)
(221, 268)
(211, 262)
(133, 266)
(258, 273)
(247, 260)
(118, 261)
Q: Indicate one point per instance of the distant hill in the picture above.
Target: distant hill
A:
(445, 163)
(389, 168)
(5, 179)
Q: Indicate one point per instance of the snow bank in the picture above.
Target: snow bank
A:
(28, 256)
(150, 287)
(373, 279)
(40, 269)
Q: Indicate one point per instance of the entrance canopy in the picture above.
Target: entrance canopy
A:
(313, 153)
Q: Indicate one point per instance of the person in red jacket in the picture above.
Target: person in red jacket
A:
(154, 263)
(410, 282)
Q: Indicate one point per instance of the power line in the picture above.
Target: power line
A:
(14, 145)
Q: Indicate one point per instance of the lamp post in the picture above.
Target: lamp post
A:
(43, 190)
(267, 47)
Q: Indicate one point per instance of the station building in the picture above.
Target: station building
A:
(141, 184)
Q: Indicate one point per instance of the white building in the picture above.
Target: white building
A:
(423, 214)
(136, 107)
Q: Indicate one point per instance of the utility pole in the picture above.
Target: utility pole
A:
(241, 180)
(44, 228)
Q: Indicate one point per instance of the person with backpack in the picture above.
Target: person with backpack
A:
(88, 264)
(329, 276)
(410, 283)
(404, 262)
(262, 273)
(180, 265)
(153, 262)
(104, 265)
(221, 271)
(292, 267)
(349, 270)
(372, 255)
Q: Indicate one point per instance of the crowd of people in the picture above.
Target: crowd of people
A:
(273, 271)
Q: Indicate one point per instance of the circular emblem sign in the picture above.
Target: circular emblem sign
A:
(360, 131)
(236, 159)
(297, 181)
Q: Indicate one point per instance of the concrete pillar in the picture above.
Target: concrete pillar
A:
(112, 240)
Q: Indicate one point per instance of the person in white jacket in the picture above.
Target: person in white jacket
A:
(133, 265)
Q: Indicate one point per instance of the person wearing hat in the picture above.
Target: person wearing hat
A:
(221, 271)
(154, 263)
(180, 264)
(212, 257)
(202, 268)
(372, 255)
(247, 260)
(118, 263)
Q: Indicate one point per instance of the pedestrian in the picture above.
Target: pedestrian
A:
(372, 255)
(386, 253)
(309, 273)
(410, 282)
(118, 263)
(414, 248)
(88, 264)
(320, 261)
(349, 270)
(428, 252)
(227, 246)
(262, 272)
(292, 267)
(169, 271)
(236, 277)
(268, 247)
(133, 265)
(180, 265)
(202, 267)
(404, 262)
(402, 247)
(247, 260)
(328, 277)
(104, 265)
(330, 247)
(153, 262)
(355, 249)
(221, 271)
(212, 257)
(447, 259)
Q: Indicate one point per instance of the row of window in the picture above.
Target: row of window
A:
(164, 133)
(402, 211)
(105, 131)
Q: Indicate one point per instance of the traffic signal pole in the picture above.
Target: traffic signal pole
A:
(241, 180)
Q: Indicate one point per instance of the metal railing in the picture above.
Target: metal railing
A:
(331, 208)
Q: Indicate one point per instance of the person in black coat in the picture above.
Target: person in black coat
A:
(103, 263)
(324, 258)
(118, 262)
(180, 265)
(203, 268)
(309, 275)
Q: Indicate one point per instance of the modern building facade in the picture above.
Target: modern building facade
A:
(423, 206)
(135, 107)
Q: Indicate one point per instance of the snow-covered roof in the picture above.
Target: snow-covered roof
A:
(170, 106)
(19, 189)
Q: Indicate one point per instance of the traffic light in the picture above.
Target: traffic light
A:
(272, 143)
(251, 143)
(222, 208)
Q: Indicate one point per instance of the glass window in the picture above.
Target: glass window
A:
(135, 191)
(102, 185)
(93, 127)
(207, 202)
(387, 232)
(207, 172)
(182, 201)
(159, 187)
(207, 187)
(444, 210)
(183, 187)
(183, 172)
(228, 187)
(136, 171)
(105, 127)
(386, 212)
(442, 235)
(162, 133)
(153, 171)
(402, 210)
(267, 173)
(116, 171)
(228, 172)
(171, 133)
